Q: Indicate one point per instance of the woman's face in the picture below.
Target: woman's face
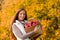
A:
(21, 15)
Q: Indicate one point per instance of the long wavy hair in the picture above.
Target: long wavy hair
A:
(15, 17)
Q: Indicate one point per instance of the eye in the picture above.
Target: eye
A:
(23, 13)
(20, 13)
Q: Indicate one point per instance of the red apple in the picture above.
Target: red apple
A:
(26, 25)
(34, 23)
(37, 22)
(29, 23)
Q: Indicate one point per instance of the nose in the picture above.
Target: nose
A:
(22, 15)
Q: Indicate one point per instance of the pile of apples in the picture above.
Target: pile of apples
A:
(31, 23)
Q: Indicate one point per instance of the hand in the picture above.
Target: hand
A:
(36, 30)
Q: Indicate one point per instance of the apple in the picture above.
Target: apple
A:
(29, 23)
(26, 25)
(37, 22)
(34, 23)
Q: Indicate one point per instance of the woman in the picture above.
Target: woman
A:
(18, 22)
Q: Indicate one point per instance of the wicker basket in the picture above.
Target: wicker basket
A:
(29, 29)
(34, 36)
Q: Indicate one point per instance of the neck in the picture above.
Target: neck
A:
(20, 20)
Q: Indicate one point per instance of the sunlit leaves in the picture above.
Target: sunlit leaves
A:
(47, 11)
(41, 1)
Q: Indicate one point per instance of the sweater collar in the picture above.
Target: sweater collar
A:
(17, 21)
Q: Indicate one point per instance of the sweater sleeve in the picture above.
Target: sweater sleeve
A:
(17, 32)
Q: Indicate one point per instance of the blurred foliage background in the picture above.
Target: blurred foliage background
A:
(47, 11)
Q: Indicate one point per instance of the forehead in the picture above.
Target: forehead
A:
(22, 11)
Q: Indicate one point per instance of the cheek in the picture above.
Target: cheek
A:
(24, 16)
(19, 16)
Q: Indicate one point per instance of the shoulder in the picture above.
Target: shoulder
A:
(16, 23)
(13, 25)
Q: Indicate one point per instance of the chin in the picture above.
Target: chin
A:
(22, 19)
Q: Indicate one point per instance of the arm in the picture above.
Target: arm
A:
(19, 34)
